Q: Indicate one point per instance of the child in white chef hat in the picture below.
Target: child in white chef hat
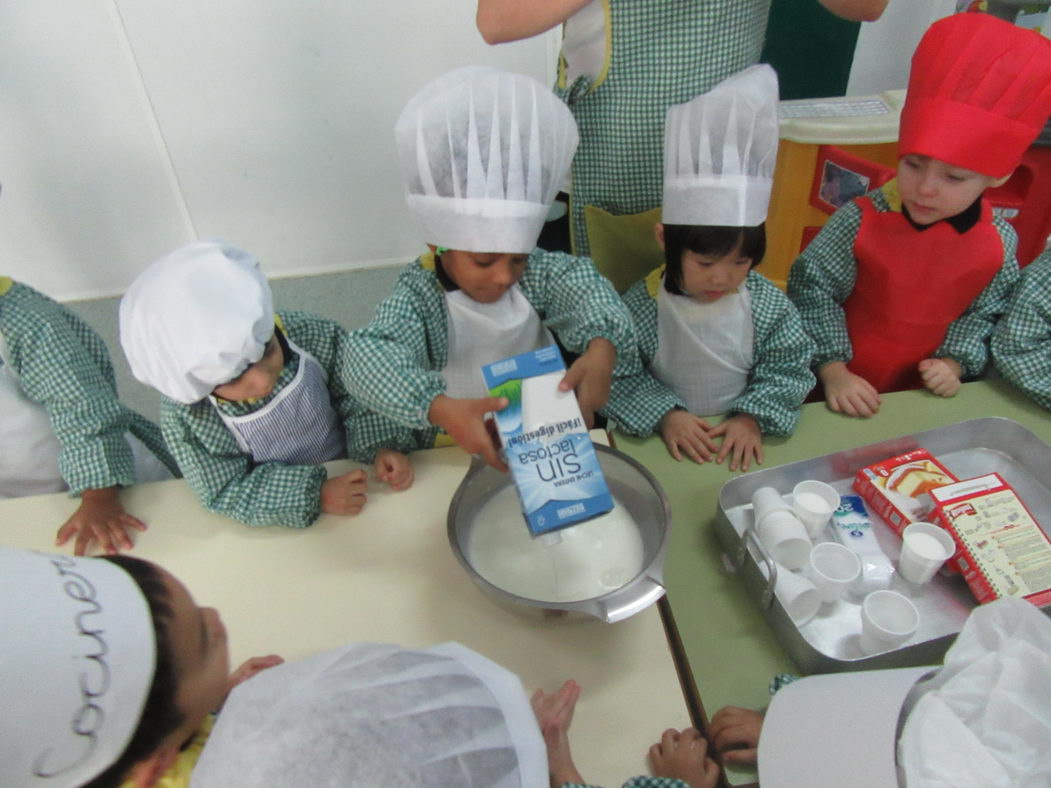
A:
(253, 402)
(484, 153)
(715, 337)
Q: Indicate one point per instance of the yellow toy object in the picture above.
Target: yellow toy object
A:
(812, 178)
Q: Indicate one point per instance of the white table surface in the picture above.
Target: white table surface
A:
(389, 575)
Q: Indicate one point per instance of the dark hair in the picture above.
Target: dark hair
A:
(708, 240)
(160, 714)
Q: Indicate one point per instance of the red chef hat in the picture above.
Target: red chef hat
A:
(979, 93)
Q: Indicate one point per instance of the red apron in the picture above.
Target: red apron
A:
(910, 286)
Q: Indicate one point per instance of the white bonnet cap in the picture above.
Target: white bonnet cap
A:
(196, 319)
(76, 666)
(484, 152)
(370, 714)
(719, 152)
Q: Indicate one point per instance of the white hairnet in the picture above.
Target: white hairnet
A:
(377, 715)
(719, 153)
(75, 669)
(484, 153)
(196, 319)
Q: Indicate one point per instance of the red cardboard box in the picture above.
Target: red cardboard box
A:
(1001, 549)
(898, 489)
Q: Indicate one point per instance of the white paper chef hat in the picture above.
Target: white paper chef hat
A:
(719, 153)
(484, 152)
(985, 715)
(76, 666)
(196, 319)
(370, 714)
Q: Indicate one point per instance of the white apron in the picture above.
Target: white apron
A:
(299, 426)
(480, 334)
(29, 448)
(705, 350)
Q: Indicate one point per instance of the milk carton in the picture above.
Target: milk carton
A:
(546, 442)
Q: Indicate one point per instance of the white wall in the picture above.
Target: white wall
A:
(128, 127)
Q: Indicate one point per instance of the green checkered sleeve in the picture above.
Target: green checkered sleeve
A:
(1021, 344)
(64, 366)
(226, 480)
(639, 782)
(395, 361)
(821, 279)
(967, 340)
(638, 402)
(780, 377)
(579, 304)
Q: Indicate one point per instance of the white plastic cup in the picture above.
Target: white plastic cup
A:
(833, 569)
(797, 595)
(888, 620)
(814, 502)
(766, 500)
(924, 548)
(785, 538)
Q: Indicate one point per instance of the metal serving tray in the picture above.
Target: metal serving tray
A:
(829, 642)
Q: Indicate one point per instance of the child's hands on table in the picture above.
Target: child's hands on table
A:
(742, 441)
(345, 494)
(684, 433)
(554, 713)
(735, 734)
(848, 393)
(100, 518)
(394, 468)
(590, 377)
(941, 376)
(464, 420)
(684, 756)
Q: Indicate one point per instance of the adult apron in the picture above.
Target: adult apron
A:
(704, 351)
(657, 54)
(298, 426)
(30, 450)
(480, 334)
(910, 286)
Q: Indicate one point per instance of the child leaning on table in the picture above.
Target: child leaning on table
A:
(902, 287)
(362, 715)
(61, 424)
(715, 336)
(1021, 346)
(484, 153)
(253, 402)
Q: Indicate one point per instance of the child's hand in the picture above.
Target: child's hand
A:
(684, 756)
(684, 433)
(590, 377)
(345, 494)
(554, 713)
(735, 734)
(464, 420)
(249, 668)
(742, 437)
(100, 518)
(848, 393)
(394, 468)
(941, 376)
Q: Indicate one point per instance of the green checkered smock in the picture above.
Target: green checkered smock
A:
(778, 382)
(823, 276)
(397, 359)
(227, 480)
(639, 782)
(1021, 344)
(661, 53)
(64, 366)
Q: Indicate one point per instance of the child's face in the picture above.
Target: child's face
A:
(259, 379)
(202, 661)
(707, 278)
(933, 190)
(483, 276)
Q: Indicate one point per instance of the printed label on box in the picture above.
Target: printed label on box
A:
(898, 489)
(546, 442)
